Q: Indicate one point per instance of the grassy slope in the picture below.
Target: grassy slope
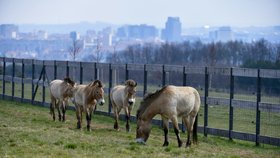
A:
(28, 131)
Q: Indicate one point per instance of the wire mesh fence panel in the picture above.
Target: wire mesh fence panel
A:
(174, 78)
(270, 122)
(1, 76)
(118, 76)
(270, 107)
(245, 88)
(88, 74)
(154, 81)
(244, 104)
(244, 120)
(218, 101)
(270, 90)
(8, 78)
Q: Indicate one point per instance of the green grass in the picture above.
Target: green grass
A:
(28, 131)
(218, 116)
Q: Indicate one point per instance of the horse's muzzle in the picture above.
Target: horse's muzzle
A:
(101, 102)
(140, 141)
(131, 101)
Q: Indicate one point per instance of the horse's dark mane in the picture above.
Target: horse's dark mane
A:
(68, 80)
(147, 101)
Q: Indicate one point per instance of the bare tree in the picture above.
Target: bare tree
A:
(75, 49)
(97, 53)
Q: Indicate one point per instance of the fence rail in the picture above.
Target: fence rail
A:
(110, 72)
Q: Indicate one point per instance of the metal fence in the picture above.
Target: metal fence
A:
(237, 103)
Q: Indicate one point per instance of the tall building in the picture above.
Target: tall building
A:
(74, 35)
(223, 34)
(142, 31)
(8, 31)
(172, 30)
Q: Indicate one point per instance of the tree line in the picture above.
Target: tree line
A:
(259, 54)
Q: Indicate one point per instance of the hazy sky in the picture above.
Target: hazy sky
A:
(192, 13)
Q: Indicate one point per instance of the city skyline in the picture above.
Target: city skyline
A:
(237, 13)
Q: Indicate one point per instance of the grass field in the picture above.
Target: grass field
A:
(28, 131)
(218, 116)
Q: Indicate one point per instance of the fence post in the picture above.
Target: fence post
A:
(22, 78)
(230, 103)
(13, 77)
(184, 84)
(126, 72)
(55, 70)
(81, 73)
(257, 108)
(33, 77)
(3, 77)
(95, 71)
(44, 88)
(163, 76)
(145, 80)
(110, 86)
(205, 101)
(67, 68)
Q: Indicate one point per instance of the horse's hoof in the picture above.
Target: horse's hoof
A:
(180, 144)
(165, 144)
(128, 130)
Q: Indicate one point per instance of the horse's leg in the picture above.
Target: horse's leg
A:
(58, 109)
(127, 117)
(88, 116)
(176, 130)
(116, 112)
(52, 107)
(64, 105)
(79, 118)
(189, 122)
(165, 129)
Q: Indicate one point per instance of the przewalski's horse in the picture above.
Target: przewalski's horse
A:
(60, 91)
(170, 102)
(85, 99)
(123, 97)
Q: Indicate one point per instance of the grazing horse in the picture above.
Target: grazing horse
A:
(85, 99)
(170, 102)
(123, 96)
(60, 91)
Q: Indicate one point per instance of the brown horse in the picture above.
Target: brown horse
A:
(123, 97)
(85, 99)
(170, 102)
(60, 91)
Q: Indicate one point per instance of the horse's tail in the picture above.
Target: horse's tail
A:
(195, 129)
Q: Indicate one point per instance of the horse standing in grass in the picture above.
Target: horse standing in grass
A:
(85, 99)
(123, 97)
(170, 102)
(60, 91)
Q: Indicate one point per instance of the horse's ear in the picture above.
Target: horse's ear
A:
(68, 80)
(98, 83)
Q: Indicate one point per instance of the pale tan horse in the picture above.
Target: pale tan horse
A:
(123, 97)
(85, 99)
(60, 91)
(170, 102)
